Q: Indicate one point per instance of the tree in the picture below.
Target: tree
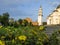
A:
(0, 18)
(25, 23)
(20, 21)
(16, 24)
(5, 19)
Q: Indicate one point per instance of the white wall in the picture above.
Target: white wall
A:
(39, 20)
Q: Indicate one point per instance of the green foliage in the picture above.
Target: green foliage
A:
(25, 23)
(20, 21)
(55, 38)
(16, 24)
(23, 33)
(29, 35)
(4, 19)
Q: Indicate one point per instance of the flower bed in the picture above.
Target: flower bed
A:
(29, 35)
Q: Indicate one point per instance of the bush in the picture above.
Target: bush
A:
(23, 36)
(55, 38)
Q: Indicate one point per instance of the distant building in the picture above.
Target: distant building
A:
(35, 23)
(29, 20)
(54, 17)
(40, 16)
(32, 22)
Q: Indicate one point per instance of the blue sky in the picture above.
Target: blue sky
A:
(27, 8)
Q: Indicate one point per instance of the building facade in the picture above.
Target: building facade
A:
(54, 17)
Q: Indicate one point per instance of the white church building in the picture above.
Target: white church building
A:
(52, 19)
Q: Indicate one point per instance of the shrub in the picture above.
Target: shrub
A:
(55, 38)
(23, 35)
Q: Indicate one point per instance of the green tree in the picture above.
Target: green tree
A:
(16, 24)
(20, 21)
(25, 23)
(55, 38)
(0, 18)
(5, 19)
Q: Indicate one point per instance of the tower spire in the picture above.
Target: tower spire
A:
(40, 10)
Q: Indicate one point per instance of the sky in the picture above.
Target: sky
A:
(20, 9)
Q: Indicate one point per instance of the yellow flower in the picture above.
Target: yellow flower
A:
(1, 43)
(1, 26)
(22, 37)
(41, 27)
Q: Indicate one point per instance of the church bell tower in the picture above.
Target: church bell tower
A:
(40, 16)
